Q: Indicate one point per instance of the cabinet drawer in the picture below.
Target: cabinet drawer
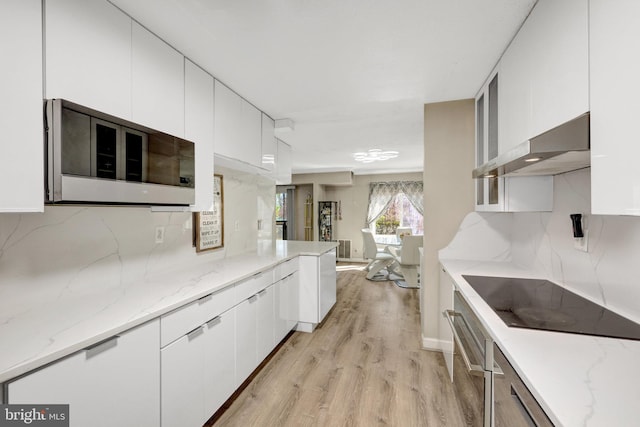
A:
(253, 285)
(216, 303)
(285, 269)
(175, 324)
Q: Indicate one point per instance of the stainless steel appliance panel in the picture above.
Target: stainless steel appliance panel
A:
(514, 405)
(473, 364)
(97, 158)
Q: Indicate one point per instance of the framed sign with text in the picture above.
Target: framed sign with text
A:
(208, 226)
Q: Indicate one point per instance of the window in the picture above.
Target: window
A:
(399, 213)
(395, 204)
(281, 206)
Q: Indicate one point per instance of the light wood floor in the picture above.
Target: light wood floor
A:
(363, 366)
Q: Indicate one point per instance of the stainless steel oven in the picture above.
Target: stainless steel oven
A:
(514, 405)
(489, 391)
(473, 365)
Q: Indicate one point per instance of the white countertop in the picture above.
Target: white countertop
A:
(50, 322)
(579, 380)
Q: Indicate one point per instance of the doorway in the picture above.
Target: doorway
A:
(285, 213)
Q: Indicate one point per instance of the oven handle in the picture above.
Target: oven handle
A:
(472, 368)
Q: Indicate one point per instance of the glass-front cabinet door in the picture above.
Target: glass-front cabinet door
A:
(489, 191)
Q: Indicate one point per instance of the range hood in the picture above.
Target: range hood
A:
(561, 149)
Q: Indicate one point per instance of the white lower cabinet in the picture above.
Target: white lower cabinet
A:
(287, 305)
(246, 338)
(219, 361)
(198, 372)
(113, 383)
(177, 370)
(317, 288)
(182, 397)
(265, 323)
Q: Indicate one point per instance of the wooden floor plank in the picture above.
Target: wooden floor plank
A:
(363, 366)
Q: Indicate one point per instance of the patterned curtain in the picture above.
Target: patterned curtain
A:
(381, 194)
(414, 192)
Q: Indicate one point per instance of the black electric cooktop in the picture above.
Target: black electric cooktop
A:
(541, 304)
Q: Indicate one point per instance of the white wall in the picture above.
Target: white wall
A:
(543, 242)
(110, 246)
(355, 203)
(608, 273)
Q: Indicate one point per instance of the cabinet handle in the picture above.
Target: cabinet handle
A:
(213, 322)
(473, 369)
(195, 333)
(526, 413)
(101, 347)
(262, 292)
(253, 298)
(205, 299)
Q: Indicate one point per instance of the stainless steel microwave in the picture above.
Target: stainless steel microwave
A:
(93, 157)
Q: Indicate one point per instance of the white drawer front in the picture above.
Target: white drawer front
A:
(286, 268)
(175, 324)
(217, 303)
(253, 285)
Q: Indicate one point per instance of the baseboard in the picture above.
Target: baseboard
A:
(305, 327)
(431, 344)
(353, 260)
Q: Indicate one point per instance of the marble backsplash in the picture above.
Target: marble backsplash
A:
(543, 242)
(87, 247)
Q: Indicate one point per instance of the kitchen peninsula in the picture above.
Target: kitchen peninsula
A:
(72, 319)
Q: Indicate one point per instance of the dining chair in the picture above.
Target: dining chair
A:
(378, 259)
(403, 231)
(408, 258)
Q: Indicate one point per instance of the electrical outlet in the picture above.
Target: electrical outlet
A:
(236, 225)
(159, 234)
(582, 243)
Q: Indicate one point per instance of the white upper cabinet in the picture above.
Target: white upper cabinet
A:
(226, 119)
(503, 194)
(251, 131)
(198, 128)
(269, 143)
(88, 55)
(157, 77)
(238, 127)
(544, 73)
(615, 67)
(283, 163)
(21, 167)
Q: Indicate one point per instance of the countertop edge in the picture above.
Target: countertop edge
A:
(269, 259)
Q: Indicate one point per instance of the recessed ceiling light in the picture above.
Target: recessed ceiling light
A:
(374, 155)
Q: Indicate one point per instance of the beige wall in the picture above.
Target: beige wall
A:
(354, 203)
(448, 192)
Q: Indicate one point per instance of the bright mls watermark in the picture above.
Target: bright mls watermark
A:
(34, 415)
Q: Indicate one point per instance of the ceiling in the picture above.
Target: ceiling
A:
(352, 74)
